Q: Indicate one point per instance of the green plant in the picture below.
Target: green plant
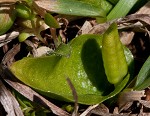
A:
(7, 18)
(29, 108)
(113, 56)
(83, 64)
(143, 78)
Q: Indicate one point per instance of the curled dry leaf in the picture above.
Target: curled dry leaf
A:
(127, 97)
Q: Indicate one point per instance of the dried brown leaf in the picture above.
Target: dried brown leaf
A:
(127, 97)
(126, 37)
(98, 109)
(34, 51)
(145, 103)
(145, 9)
(6, 38)
(9, 102)
(9, 56)
(87, 26)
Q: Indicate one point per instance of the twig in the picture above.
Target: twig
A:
(89, 110)
(75, 113)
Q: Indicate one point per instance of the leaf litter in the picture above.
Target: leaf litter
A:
(129, 27)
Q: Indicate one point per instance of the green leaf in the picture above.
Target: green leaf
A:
(84, 67)
(51, 21)
(116, 67)
(143, 78)
(7, 17)
(121, 9)
(23, 36)
(102, 4)
(62, 50)
(71, 7)
(23, 11)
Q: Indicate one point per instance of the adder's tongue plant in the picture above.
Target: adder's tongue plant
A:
(115, 63)
(82, 62)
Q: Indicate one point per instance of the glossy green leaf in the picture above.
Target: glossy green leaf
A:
(84, 67)
(143, 78)
(71, 7)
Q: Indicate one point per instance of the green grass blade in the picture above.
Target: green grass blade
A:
(143, 78)
(121, 9)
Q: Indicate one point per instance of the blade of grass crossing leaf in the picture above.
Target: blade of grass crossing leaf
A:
(121, 9)
(143, 78)
(71, 7)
